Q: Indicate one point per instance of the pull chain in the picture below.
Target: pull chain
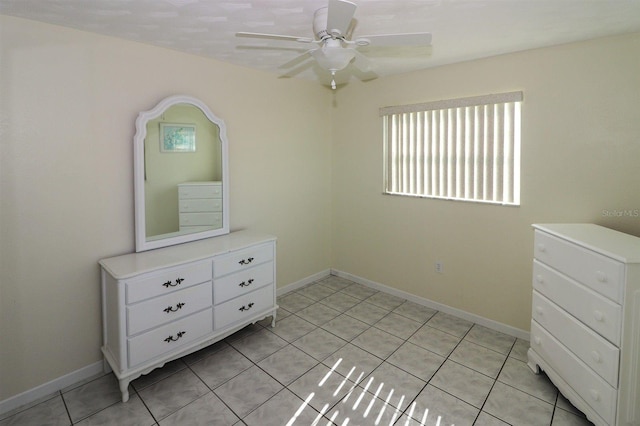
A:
(333, 80)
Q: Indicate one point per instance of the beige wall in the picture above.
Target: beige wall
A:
(580, 156)
(69, 101)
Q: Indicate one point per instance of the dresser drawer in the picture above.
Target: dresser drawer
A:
(242, 259)
(591, 387)
(242, 282)
(596, 311)
(200, 191)
(200, 205)
(201, 219)
(593, 350)
(163, 309)
(168, 280)
(602, 274)
(242, 307)
(169, 337)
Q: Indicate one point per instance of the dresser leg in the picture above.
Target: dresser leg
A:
(273, 320)
(124, 389)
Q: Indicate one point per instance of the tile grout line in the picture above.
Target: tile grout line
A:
(494, 384)
(445, 360)
(64, 402)
(426, 381)
(147, 407)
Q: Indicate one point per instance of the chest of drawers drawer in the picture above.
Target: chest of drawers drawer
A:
(166, 281)
(200, 190)
(242, 260)
(242, 282)
(235, 310)
(600, 355)
(163, 309)
(600, 273)
(594, 310)
(200, 205)
(201, 219)
(591, 387)
(169, 337)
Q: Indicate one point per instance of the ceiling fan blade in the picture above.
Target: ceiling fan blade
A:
(364, 75)
(271, 48)
(374, 52)
(362, 62)
(409, 39)
(298, 59)
(339, 16)
(297, 70)
(275, 37)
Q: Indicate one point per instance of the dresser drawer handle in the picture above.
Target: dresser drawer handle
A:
(601, 277)
(246, 261)
(175, 339)
(246, 308)
(169, 284)
(595, 395)
(596, 356)
(536, 340)
(539, 310)
(170, 309)
(542, 248)
(540, 279)
(598, 316)
(246, 283)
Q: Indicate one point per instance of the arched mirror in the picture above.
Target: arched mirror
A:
(181, 176)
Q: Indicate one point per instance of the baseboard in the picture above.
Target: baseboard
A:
(486, 322)
(494, 325)
(305, 281)
(51, 387)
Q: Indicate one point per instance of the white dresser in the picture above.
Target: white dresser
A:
(200, 206)
(162, 304)
(585, 327)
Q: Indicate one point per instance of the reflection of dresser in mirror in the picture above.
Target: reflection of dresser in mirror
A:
(200, 206)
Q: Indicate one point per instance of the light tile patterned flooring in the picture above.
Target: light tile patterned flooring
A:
(340, 354)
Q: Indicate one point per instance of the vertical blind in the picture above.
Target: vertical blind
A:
(460, 149)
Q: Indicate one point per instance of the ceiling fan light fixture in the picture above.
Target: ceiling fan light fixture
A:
(333, 57)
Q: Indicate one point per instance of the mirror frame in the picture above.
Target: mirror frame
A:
(142, 244)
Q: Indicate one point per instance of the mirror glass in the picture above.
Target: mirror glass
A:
(180, 172)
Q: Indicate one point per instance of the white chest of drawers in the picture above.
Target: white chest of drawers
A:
(162, 304)
(200, 206)
(585, 327)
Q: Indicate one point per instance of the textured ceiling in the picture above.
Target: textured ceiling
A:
(462, 29)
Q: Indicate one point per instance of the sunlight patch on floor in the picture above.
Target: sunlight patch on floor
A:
(369, 410)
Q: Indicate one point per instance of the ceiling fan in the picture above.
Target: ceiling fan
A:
(336, 49)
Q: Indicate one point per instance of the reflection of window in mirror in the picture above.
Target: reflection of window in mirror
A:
(166, 169)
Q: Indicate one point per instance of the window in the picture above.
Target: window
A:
(460, 149)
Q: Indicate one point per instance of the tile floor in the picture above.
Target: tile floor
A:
(340, 354)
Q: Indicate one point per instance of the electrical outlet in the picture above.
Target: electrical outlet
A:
(439, 267)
